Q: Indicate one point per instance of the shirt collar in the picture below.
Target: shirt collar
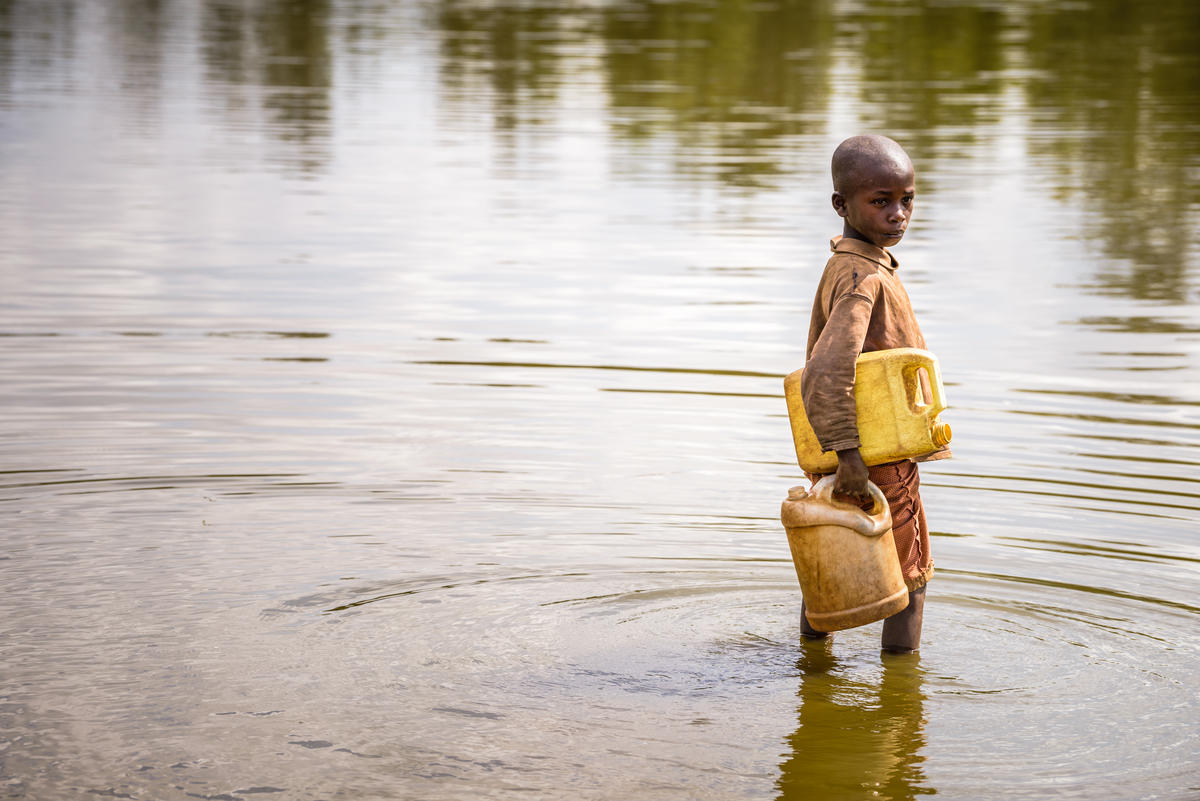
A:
(882, 256)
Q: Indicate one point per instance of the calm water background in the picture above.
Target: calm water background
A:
(392, 407)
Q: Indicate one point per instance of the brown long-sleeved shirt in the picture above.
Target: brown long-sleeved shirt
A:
(860, 307)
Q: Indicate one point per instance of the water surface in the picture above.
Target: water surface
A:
(392, 398)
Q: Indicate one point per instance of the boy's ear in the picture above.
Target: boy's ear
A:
(839, 204)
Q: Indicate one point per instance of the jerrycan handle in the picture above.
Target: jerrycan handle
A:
(912, 384)
(874, 524)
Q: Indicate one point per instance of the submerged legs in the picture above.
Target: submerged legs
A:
(902, 631)
(806, 629)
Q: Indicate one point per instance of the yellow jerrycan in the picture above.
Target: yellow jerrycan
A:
(895, 419)
(845, 558)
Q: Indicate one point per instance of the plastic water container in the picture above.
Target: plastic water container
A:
(897, 418)
(845, 558)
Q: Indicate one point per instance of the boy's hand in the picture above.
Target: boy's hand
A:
(851, 479)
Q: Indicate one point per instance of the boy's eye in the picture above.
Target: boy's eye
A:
(907, 200)
(879, 201)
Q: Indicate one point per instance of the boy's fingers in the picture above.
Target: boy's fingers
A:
(852, 493)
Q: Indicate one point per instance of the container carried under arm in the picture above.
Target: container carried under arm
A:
(897, 418)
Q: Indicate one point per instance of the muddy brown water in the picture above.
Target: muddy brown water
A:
(392, 399)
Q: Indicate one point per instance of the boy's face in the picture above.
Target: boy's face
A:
(880, 205)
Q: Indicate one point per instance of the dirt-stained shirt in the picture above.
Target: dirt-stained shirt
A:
(860, 307)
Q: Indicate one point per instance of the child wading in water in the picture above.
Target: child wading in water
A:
(861, 306)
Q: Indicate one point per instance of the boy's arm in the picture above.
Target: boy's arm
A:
(828, 389)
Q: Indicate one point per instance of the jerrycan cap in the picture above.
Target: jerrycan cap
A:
(941, 434)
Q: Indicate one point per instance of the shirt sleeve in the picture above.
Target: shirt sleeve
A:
(827, 385)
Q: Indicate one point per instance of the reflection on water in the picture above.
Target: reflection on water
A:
(272, 58)
(1103, 92)
(856, 739)
(1115, 92)
(392, 398)
(734, 83)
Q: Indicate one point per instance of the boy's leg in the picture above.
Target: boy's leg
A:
(901, 485)
(806, 629)
(902, 631)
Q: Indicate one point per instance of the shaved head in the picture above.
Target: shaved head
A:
(861, 156)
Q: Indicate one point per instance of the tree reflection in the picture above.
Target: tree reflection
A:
(278, 53)
(34, 38)
(515, 50)
(736, 93)
(856, 740)
(731, 79)
(728, 81)
(1114, 91)
(930, 75)
(1108, 89)
(513, 56)
(139, 34)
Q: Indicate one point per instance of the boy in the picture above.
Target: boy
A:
(861, 306)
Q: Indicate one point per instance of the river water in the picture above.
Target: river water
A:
(392, 399)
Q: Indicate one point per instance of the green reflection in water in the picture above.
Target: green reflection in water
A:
(515, 51)
(930, 74)
(1102, 93)
(1109, 92)
(731, 79)
(1113, 87)
(1140, 324)
(856, 738)
(275, 54)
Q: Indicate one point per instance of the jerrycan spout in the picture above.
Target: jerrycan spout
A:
(941, 434)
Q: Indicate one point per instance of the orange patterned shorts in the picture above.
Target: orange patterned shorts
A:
(901, 485)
